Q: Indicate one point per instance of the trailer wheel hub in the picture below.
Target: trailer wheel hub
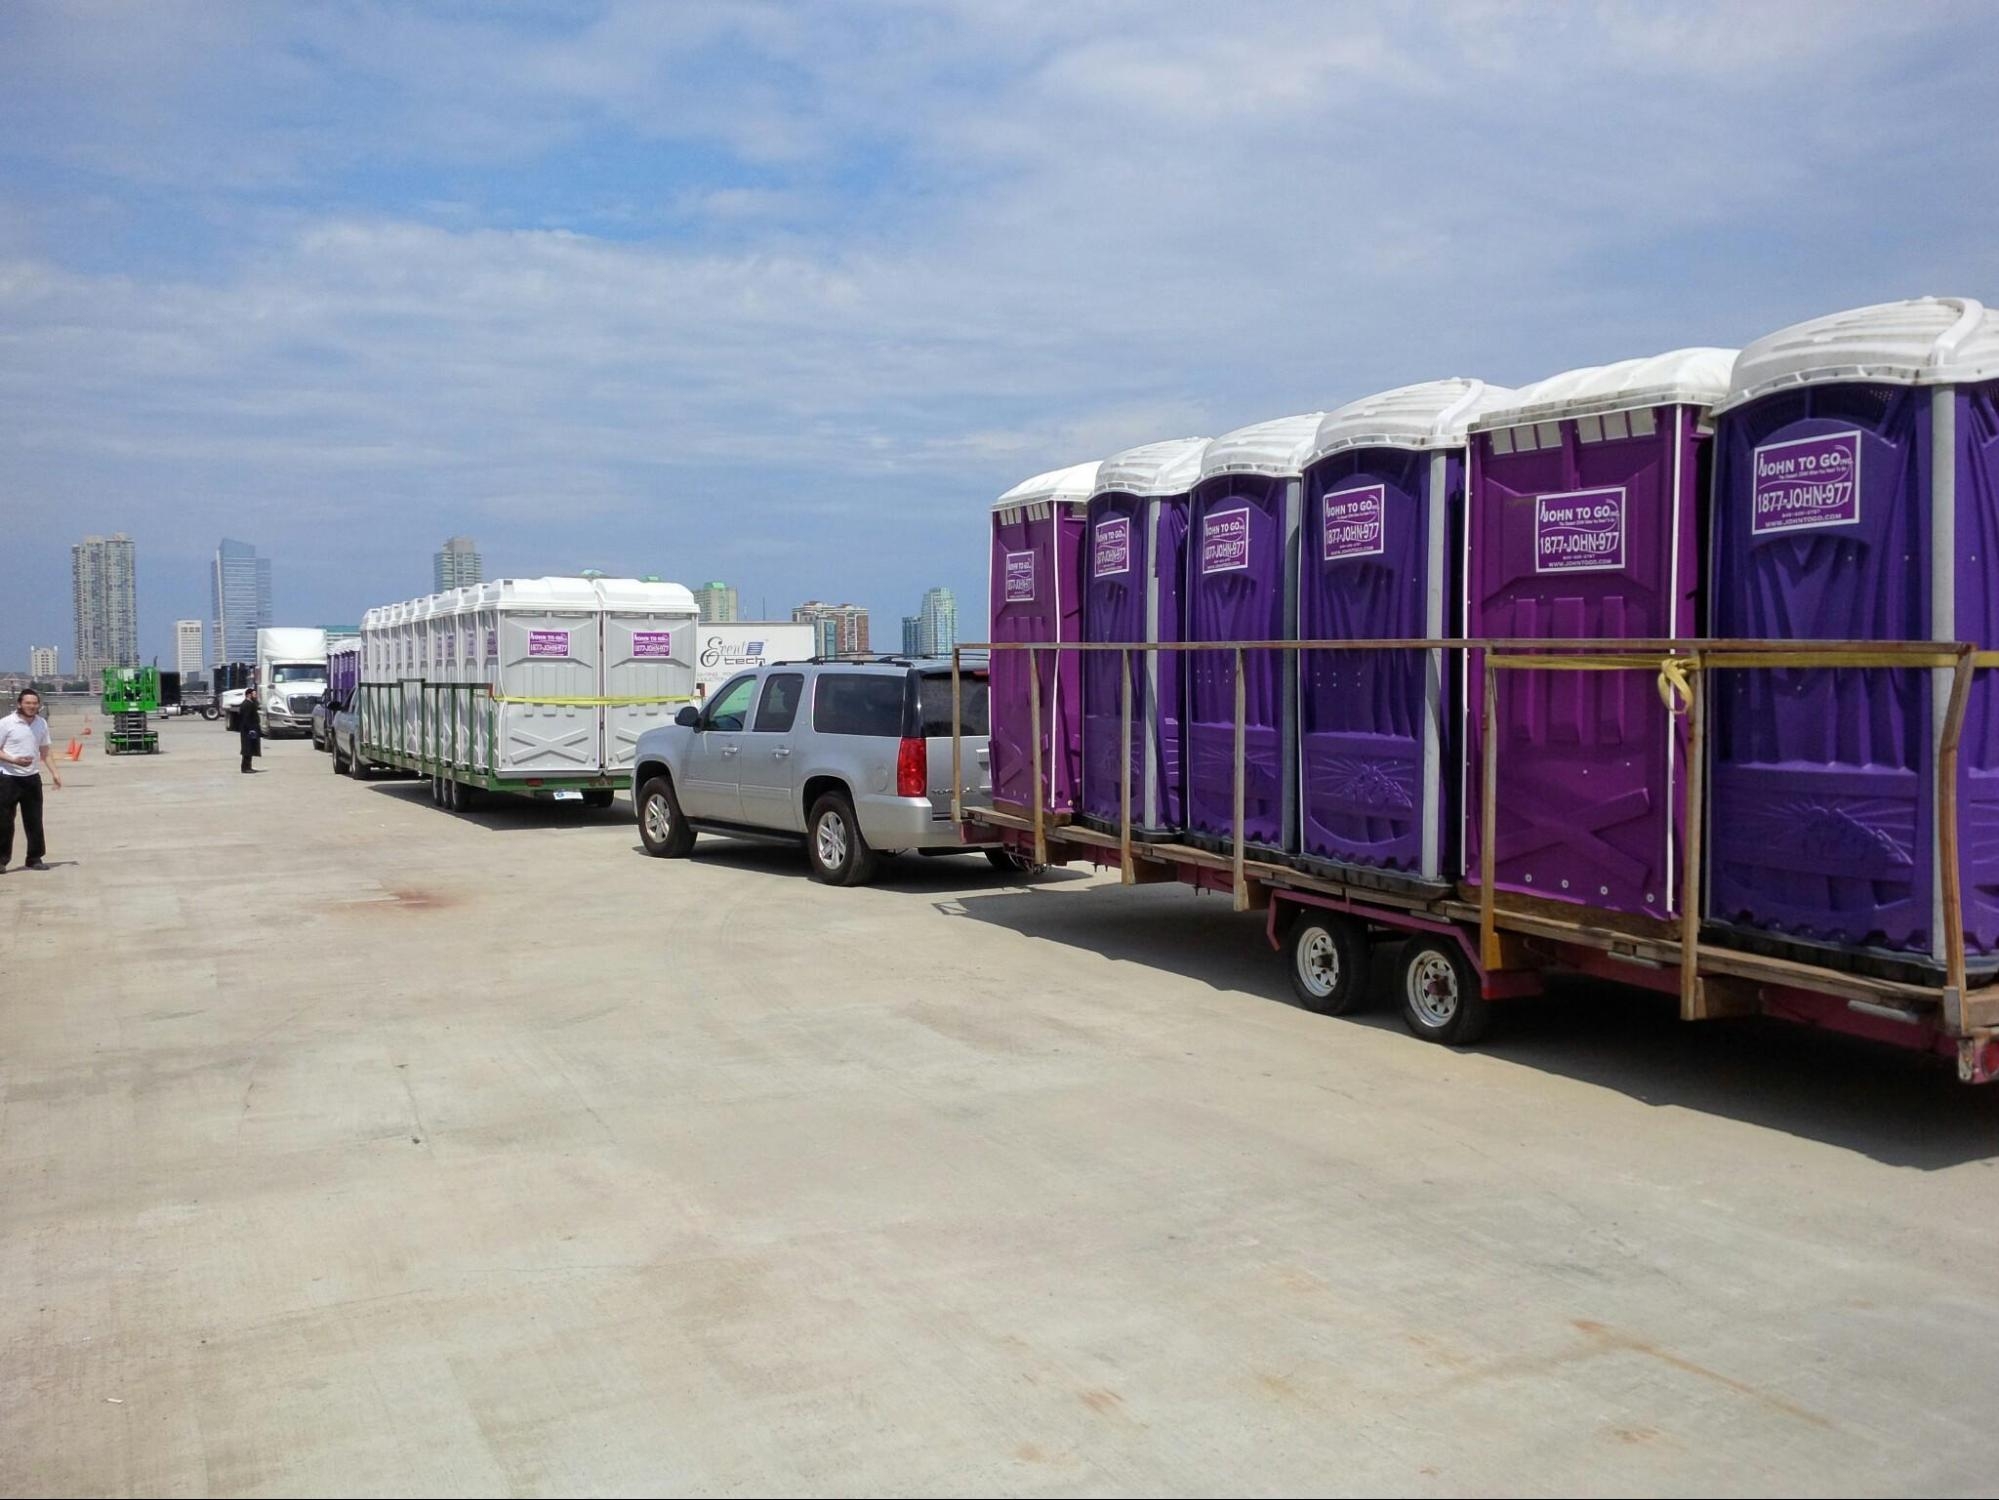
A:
(1433, 989)
(1319, 962)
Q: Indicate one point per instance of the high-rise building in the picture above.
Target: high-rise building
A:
(105, 588)
(912, 635)
(187, 648)
(42, 663)
(842, 628)
(937, 628)
(457, 565)
(717, 603)
(240, 586)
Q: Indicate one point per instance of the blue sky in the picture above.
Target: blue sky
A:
(785, 294)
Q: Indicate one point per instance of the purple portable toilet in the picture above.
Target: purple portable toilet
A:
(1035, 593)
(1856, 497)
(1379, 559)
(1135, 565)
(1242, 550)
(1583, 523)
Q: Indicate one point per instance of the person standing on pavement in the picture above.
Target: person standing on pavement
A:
(24, 749)
(249, 729)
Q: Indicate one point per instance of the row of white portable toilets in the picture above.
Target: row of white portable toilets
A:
(1852, 464)
(575, 670)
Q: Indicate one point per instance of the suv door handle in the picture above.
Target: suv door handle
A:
(730, 749)
(780, 754)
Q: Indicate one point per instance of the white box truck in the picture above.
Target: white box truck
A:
(721, 651)
(291, 678)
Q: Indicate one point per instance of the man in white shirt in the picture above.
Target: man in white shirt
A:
(24, 740)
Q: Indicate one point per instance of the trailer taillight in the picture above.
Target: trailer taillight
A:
(912, 769)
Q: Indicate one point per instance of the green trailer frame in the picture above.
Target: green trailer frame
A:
(445, 755)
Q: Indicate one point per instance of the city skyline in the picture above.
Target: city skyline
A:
(104, 595)
(243, 560)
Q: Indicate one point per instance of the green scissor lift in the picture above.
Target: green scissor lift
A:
(130, 694)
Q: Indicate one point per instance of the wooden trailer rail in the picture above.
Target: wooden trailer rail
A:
(1710, 977)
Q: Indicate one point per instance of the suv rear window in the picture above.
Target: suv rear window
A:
(859, 703)
(933, 704)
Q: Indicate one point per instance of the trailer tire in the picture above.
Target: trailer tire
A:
(662, 828)
(1441, 999)
(1329, 962)
(211, 713)
(835, 848)
(598, 798)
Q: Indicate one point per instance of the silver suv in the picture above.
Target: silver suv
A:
(851, 757)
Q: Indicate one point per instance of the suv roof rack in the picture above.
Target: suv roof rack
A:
(854, 658)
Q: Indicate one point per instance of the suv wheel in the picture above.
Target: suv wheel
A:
(834, 845)
(661, 826)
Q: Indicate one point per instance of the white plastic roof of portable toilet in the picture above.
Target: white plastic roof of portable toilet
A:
(1434, 414)
(1923, 341)
(1168, 468)
(1679, 377)
(1070, 486)
(1276, 449)
(547, 593)
(649, 595)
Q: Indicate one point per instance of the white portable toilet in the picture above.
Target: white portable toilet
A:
(549, 722)
(648, 656)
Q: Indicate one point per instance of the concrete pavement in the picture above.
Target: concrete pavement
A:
(350, 1146)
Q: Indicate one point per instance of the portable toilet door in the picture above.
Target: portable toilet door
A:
(1034, 592)
(486, 630)
(649, 646)
(410, 675)
(1135, 562)
(1583, 524)
(1379, 560)
(1856, 497)
(550, 720)
(1242, 565)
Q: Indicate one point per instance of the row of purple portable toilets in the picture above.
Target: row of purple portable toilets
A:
(1837, 480)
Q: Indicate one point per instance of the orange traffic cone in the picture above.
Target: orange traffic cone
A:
(74, 750)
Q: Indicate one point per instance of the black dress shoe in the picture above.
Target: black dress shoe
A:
(36, 864)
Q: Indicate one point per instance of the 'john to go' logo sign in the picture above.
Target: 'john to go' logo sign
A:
(1580, 532)
(1806, 483)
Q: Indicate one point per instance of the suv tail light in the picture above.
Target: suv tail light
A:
(912, 769)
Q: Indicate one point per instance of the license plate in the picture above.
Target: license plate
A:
(567, 796)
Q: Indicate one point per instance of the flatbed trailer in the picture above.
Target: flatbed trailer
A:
(455, 728)
(1472, 945)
